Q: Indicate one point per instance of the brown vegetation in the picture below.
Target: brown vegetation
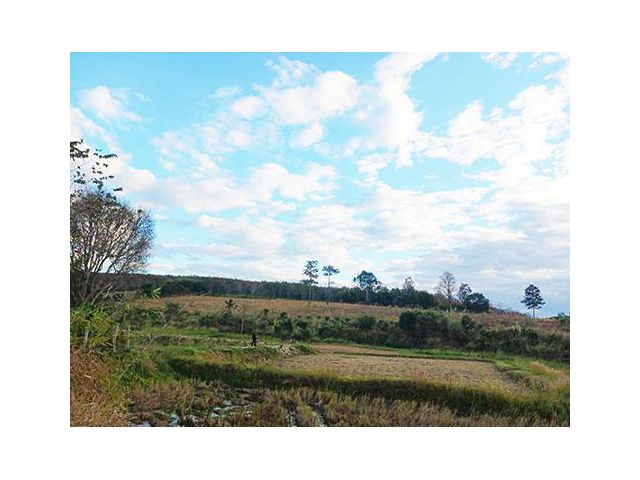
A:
(466, 372)
(304, 309)
(97, 400)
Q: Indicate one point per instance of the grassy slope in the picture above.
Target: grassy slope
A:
(299, 308)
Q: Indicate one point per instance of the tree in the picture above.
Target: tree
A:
(84, 162)
(311, 272)
(328, 271)
(463, 292)
(108, 238)
(407, 293)
(366, 281)
(476, 302)
(408, 286)
(532, 299)
(447, 287)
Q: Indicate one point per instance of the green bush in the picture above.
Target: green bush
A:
(91, 327)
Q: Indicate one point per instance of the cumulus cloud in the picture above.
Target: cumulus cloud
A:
(107, 104)
(248, 107)
(330, 94)
(389, 114)
(308, 136)
(370, 165)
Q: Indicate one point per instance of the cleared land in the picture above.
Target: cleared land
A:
(304, 309)
(466, 372)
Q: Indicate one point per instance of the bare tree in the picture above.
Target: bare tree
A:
(447, 287)
(108, 238)
(463, 292)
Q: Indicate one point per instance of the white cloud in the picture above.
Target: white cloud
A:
(388, 112)
(248, 107)
(516, 138)
(308, 136)
(225, 92)
(239, 138)
(262, 234)
(332, 93)
(500, 59)
(269, 178)
(107, 104)
(394, 71)
(290, 72)
(329, 233)
(549, 58)
(370, 165)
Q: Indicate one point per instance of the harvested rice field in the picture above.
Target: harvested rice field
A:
(464, 372)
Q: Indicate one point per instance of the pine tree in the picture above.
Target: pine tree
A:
(532, 299)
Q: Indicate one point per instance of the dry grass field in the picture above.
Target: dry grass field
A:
(300, 308)
(462, 372)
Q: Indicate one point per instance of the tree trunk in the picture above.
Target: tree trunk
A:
(114, 339)
(85, 342)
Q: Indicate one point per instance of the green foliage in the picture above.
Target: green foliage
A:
(366, 322)
(532, 299)
(476, 302)
(91, 327)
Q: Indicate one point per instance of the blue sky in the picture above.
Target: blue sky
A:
(401, 164)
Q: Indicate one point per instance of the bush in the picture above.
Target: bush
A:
(425, 327)
(207, 320)
(91, 327)
(366, 322)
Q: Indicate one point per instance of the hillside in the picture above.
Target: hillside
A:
(320, 310)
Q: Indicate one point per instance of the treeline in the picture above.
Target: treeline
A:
(166, 286)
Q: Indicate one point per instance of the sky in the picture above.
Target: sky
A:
(402, 164)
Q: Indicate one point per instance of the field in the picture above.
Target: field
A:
(187, 364)
(314, 310)
(465, 372)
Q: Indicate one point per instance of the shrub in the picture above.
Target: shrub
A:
(91, 327)
(207, 320)
(366, 322)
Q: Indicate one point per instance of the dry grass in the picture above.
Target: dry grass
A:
(294, 308)
(306, 407)
(300, 308)
(464, 372)
(97, 400)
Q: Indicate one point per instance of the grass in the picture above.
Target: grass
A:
(461, 399)
(97, 396)
(314, 310)
(202, 377)
(465, 372)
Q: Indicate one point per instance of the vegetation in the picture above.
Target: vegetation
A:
(108, 238)
(533, 299)
(139, 358)
(160, 367)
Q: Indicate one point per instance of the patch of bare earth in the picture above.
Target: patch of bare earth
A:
(464, 372)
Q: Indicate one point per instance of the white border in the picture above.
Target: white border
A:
(38, 37)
